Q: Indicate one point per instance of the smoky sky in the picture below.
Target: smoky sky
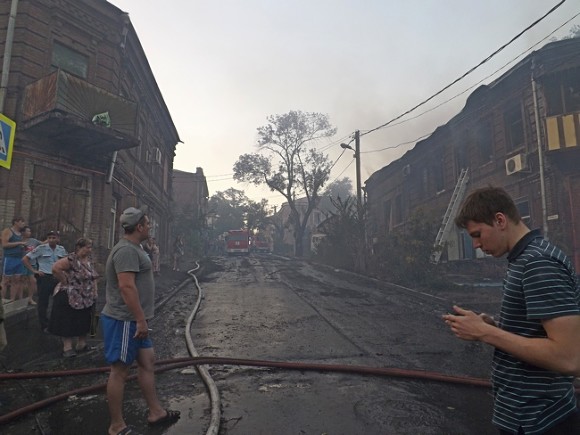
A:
(223, 67)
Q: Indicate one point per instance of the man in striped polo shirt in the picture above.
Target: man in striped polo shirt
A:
(537, 337)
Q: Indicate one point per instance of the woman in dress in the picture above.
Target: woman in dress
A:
(75, 296)
(155, 256)
(177, 251)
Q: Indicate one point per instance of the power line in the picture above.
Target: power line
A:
(469, 71)
(490, 75)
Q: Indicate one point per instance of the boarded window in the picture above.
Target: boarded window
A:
(69, 60)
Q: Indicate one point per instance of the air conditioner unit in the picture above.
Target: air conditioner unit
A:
(406, 170)
(157, 156)
(515, 164)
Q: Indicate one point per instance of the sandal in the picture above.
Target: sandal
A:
(69, 353)
(170, 417)
(85, 348)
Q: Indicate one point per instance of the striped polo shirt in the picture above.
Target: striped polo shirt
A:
(540, 284)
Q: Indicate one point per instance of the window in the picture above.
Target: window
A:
(461, 157)
(438, 177)
(113, 223)
(514, 128)
(484, 142)
(387, 215)
(562, 93)
(69, 60)
(523, 206)
(398, 214)
(424, 183)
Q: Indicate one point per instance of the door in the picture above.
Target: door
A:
(59, 202)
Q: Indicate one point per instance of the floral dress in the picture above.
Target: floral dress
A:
(74, 301)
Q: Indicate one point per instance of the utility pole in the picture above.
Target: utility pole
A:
(540, 152)
(358, 178)
(358, 182)
(359, 203)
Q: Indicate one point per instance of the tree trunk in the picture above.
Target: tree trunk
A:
(299, 242)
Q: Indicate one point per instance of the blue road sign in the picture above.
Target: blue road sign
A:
(7, 131)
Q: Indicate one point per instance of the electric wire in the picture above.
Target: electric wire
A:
(468, 72)
(468, 89)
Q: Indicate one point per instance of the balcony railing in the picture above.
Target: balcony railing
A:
(61, 107)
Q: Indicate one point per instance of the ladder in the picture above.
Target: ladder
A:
(449, 216)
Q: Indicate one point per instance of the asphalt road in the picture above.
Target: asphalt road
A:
(270, 308)
(275, 309)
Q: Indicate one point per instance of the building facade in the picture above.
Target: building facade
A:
(520, 132)
(93, 134)
(190, 196)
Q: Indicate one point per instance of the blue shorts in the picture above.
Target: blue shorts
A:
(120, 346)
(13, 266)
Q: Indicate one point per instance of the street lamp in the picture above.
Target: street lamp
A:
(358, 182)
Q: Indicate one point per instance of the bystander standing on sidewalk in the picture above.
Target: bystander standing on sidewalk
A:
(45, 255)
(30, 281)
(13, 250)
(130, 295)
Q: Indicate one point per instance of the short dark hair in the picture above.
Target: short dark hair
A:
(16, 219)
(482, 204)
(82, 242)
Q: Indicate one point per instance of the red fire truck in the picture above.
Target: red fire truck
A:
(238, 242)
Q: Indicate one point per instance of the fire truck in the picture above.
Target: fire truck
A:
(238, 242)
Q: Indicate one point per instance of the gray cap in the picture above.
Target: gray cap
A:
(131, 217)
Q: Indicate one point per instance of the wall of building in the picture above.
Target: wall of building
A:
(495, 138)
(71, 60)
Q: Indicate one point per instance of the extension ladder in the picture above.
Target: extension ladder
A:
(450, 213)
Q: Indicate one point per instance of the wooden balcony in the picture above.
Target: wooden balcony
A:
(60, 107)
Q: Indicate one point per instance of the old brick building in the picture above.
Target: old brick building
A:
(190, 195)
(496, 140)
(93, 135)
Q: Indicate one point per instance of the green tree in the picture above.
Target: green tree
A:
(236, 211)
(230, 207)
(343, 245)
(403, 256)
(288, 163)
(257, 214)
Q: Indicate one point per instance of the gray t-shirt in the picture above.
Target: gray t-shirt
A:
(128, 257)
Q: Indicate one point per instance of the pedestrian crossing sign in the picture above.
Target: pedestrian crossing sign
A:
(7, 130)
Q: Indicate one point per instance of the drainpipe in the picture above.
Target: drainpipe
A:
(7, 54)
(540, 153)
(111, 168)
(123, 43)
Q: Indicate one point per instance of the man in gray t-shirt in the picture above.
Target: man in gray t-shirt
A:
(128, 256)
(130, 295)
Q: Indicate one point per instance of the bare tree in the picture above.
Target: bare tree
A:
(288, 163)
